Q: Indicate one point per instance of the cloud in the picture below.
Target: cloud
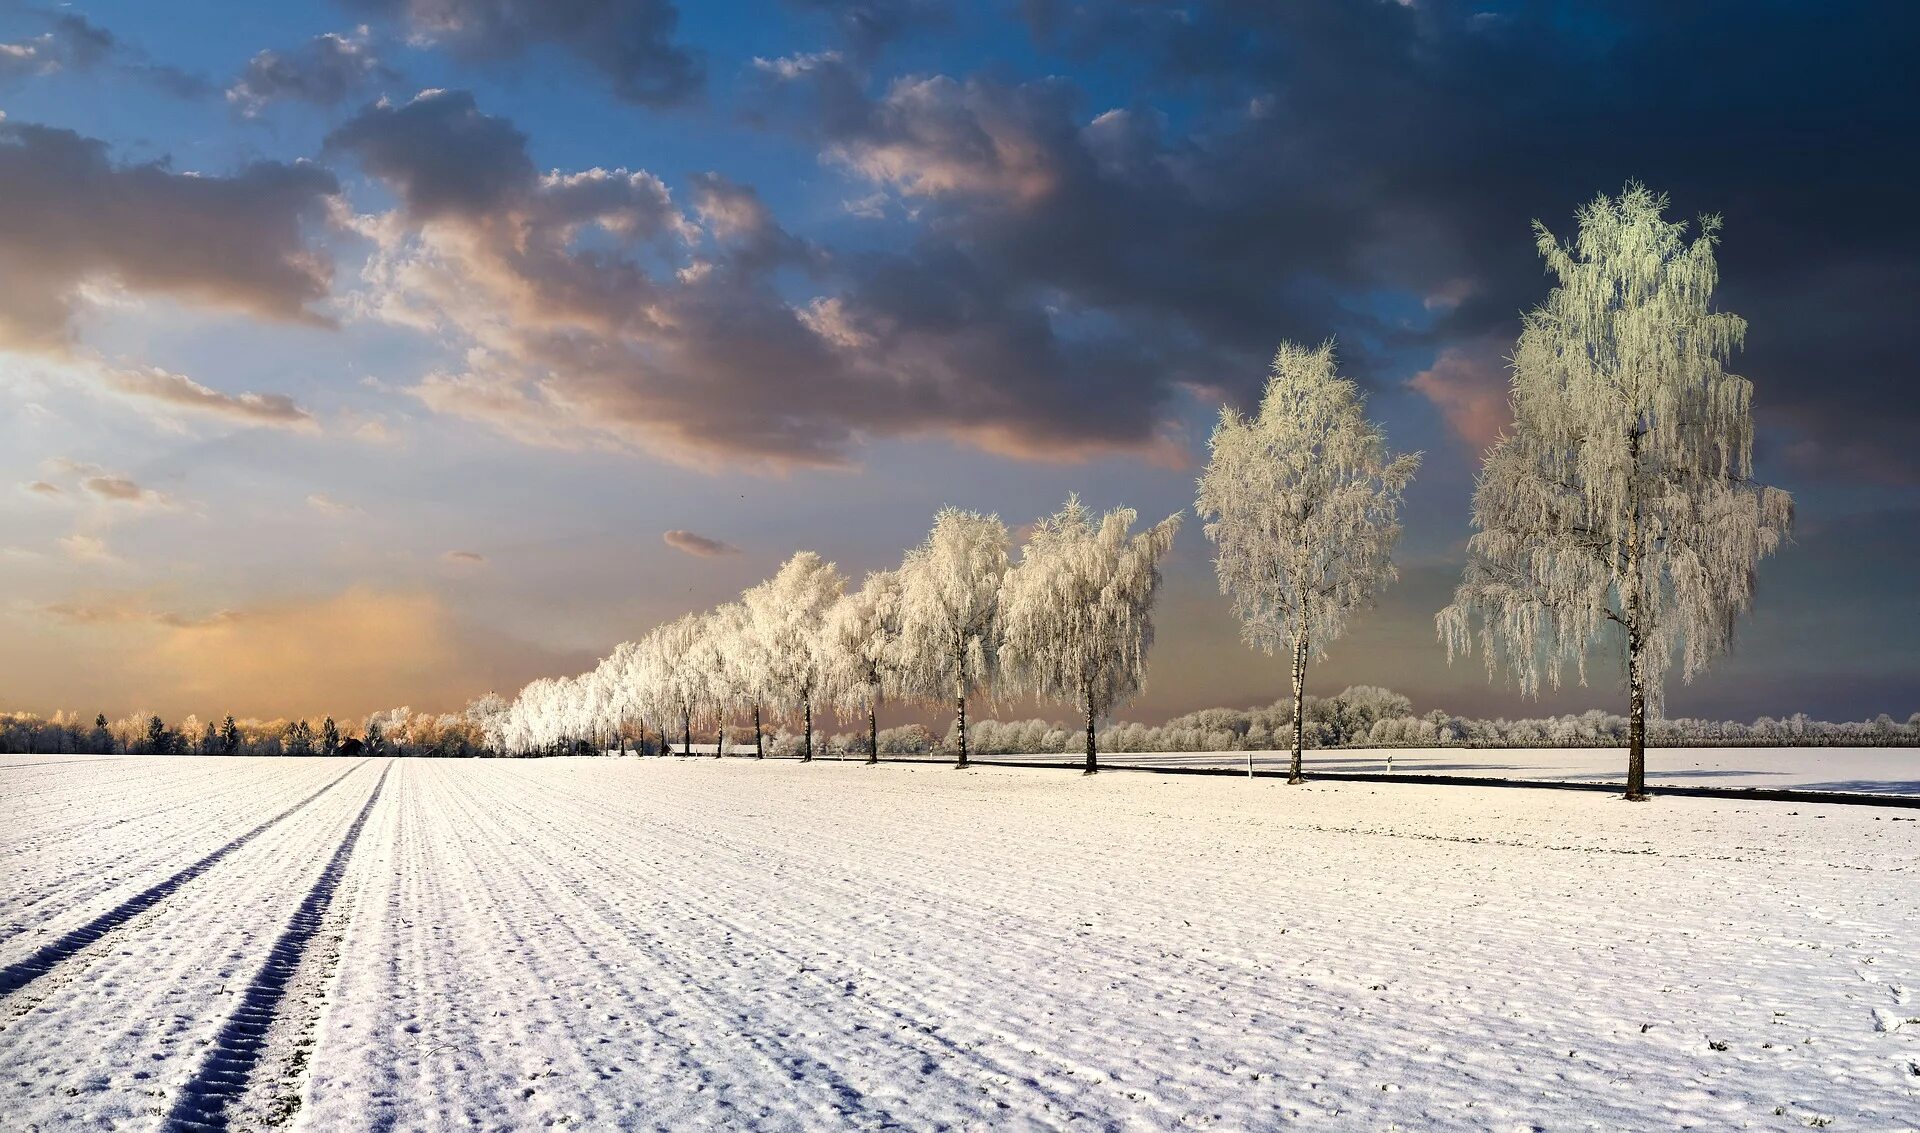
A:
(86, 548)
(325, 71)
(327, 505)
(629, 42)
(42, 487)
(72, 43)
(1468, 384)
(1445, 132)
(128, 609)
(467, 558)
(71, 219)
(119, 489)
(441, 154)
(589, 309)
(699, 546)
(180, 392)
(868, 26)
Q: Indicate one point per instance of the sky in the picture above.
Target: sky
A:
(377, 352)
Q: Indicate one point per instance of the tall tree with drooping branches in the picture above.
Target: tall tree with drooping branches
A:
(1077, 612)
(1623, 496)
(787, 615)
(860, 651)
(1302, 504)
(950, 612)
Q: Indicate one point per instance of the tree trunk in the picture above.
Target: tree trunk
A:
(807, 752)
(962, 702)
(1636, 666)
(759, 742)
(873, 734)
(1093, 763)
(1636, 720)
(1299, 698)
(686, 739)
(720, 745)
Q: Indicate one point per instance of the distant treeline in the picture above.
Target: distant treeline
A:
(1361, 716)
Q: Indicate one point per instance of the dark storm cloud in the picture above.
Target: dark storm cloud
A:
(1065, 267)
(1444, 127)
(326, 71)
(70, 217)
(629, 42)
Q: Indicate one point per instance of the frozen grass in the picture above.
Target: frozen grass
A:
(680, 944)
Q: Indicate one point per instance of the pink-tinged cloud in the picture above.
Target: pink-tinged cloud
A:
(699, 546)
(466, 558)
(1468, 384)
(181, 392)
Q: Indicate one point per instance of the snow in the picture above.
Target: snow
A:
(674, 944)
(1864, 770)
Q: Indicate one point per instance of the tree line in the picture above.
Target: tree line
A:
(1362, 716)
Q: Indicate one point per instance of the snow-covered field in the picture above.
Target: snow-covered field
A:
(675, 944)
(1867, 770)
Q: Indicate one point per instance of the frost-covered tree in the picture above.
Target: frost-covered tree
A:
(860, 651)
(1077, 612)
(680, 644)
(743, 679)
(786, 616)
(711, 675)
(1623, 495)
(1303, 504)
(950, 612)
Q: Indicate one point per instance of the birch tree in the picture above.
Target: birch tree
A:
(787, 615)
(1623, 496)
(1302, 503)
(860, 651)
(729, 666)
(1077, 612)
(700, 673)
(950, 611)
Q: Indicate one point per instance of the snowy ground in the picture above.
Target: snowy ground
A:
(1868, 770)
(676, 944)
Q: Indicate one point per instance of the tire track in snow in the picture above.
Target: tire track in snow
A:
(87, 860)
(19, 974)
(238, 1048)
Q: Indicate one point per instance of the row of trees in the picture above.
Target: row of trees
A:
(1070, 622)
(1362, 716)
(1621, 498)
